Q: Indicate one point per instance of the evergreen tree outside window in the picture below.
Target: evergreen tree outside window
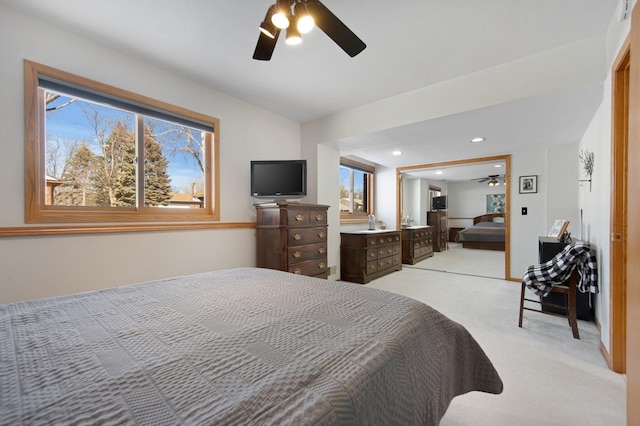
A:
(105, 155)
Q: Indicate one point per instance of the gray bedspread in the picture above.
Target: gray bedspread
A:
(482, 231)
(238, 346)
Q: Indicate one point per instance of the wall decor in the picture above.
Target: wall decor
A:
(496, 203)
(529, 184)
(586, 158)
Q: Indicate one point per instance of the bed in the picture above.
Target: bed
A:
(487, 233)
(238, 346)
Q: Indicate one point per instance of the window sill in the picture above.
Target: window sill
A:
(363, 219)
(32, 231)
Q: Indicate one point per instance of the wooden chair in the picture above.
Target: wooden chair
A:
(568, 288)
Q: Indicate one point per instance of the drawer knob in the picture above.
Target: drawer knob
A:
(322, 234)
(297, 271)
(299, 218)
(297, 237)
(322, 250)
(297, 254)
(322, 266)
(372, 254)
(319, 217)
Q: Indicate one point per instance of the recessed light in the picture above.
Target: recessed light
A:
(476, 140)
(497, 166)
(439, 172)
(397, 152)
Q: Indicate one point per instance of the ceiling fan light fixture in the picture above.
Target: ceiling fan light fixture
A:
(293, 35)
(280, 17)
(267, 27)
(305, 20)
(303, 15)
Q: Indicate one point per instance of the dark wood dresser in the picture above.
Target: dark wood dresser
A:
(417, 244)
(438, 219)
(292, 237)
(367, 255)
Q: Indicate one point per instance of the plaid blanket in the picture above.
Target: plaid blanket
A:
(541, 278)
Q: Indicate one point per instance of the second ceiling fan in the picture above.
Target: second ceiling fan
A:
(297, 17)
(492, 179)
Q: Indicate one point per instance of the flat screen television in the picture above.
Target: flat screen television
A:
(279, 179)
(439, 203)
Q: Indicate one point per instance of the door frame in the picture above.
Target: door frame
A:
(618, 226)
(507, 161)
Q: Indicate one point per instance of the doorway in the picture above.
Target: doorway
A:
(506, 159)
(618, 244)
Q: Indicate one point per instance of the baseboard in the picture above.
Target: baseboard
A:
(603, 350)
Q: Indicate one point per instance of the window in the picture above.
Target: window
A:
(95, 153)
(356, 190)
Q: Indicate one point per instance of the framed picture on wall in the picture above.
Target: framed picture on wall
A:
(496, 203)
(529, 184)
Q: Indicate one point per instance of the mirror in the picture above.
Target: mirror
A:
(471, 188)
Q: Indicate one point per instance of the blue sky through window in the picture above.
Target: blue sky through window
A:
(82, 121)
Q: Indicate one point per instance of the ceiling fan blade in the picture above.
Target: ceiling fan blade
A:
(265, 46)
(335, 29)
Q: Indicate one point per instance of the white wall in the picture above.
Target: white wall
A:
(43, 266)
(412, 197)
(385, 196)
(329, 194)
(595, 204)
(468, 200)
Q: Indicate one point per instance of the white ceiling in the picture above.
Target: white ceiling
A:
(410, 45)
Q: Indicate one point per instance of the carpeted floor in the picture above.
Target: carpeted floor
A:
(549, 377)
(483, 263)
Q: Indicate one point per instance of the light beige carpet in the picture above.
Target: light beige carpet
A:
(459, 260)
(549, 377)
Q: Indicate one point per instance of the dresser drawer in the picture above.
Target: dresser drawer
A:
(388, 250)
(317, 218)
(372, 254)
(298, 217)
(302, 253)
(309, 267)
(298, 237)
(388, 239)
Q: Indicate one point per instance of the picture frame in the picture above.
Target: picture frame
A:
(558, 228)
(529, 184)
(496, 203)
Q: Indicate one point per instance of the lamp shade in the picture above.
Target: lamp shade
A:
(267, 27)
(293, 35)
(280, 17)
(305, 21)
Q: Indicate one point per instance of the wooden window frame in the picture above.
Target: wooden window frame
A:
(371, 170)
(36, 209)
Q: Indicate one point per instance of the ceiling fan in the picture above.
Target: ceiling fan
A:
(297, 17)
(493, 180)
